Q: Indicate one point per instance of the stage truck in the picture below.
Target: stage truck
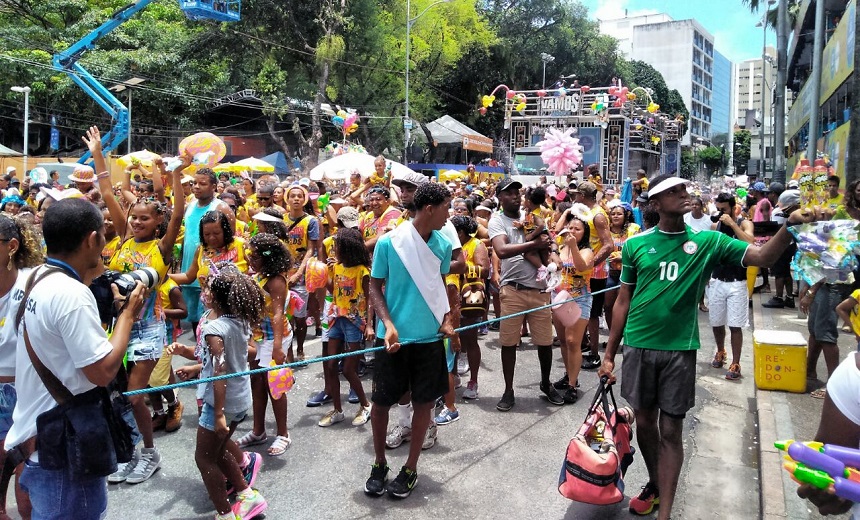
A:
(621, 130)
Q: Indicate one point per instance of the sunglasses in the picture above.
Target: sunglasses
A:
(263, 198)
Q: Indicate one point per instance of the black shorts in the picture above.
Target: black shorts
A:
(597, 284)
(782, 267)
(659, 379)
(418, 367)
(823, 322)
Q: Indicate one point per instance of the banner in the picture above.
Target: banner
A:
(836, 146)
(838, 56)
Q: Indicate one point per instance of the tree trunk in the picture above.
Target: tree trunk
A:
(270, 124)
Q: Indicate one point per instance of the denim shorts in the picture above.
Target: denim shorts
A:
(146, 341)
(207, 417)
(302, 292)
(585, 302)
(55, 493)
(345, 330)
(8, 398)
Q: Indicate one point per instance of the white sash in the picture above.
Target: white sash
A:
(423, 267)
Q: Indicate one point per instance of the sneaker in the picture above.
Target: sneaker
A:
(249, 506)
(457, 381)
(353, 397)
(404, 483)
(429, 438)
(471, 391)
(375, 485)
(362, 416)
(562, 384)
(483, 330)
(570, 395)
(249, 472)
(551, 394)
(440, 402)
(146, 466)
(493, 326)
(734, 372)
(774, 303)
(647, 500)
(123, 469)
(719, 359)
(506, 402)
(174, 417)
(318, 399)
(159, 420)
(789, 303)
(590, 361)
(462, 364)
(447, 416)
(398, 436)
(333, 417)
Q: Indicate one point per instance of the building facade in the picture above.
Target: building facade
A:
(754, 109)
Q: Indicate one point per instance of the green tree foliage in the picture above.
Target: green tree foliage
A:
(689, 164)
(640, 74)
(712, 158)
(741, 151)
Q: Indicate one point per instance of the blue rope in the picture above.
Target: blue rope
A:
(333, 357)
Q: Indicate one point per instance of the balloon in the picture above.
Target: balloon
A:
(650, 120)
(655, 140)
(541, 93)
(316, 275)
(560, 151)
(623, 92)
(631, 96)
(613, 90)
(653, 107)
(520, 107)
(204, 142)
(338, 121)
(341, 113)
(618, 103)
(350, 120)
(323, 201)
(280, 381)
(38, 174)
(594, 106)
(604, 124)
(483, 111)
(510, 94)
(585, 89)
(741, 193)
(487, 101)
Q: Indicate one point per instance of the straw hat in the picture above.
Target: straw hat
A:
(83, 173)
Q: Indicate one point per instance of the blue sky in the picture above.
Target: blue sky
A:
(729, 21)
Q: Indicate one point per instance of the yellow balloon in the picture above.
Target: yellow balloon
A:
(487, 101)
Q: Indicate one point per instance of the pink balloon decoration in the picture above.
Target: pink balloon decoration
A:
(510, 94)
(541, 93)
(613, 90)
(585, 89)
(560, 151)
(623, 92)
(204, 143)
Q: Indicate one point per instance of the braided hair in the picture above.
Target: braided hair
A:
(467, 225)
(350, 248)
(274, 254)
(29, 252)
(236, 293)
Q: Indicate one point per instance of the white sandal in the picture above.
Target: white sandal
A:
(280, 446)
(249, 439)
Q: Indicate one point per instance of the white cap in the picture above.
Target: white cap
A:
(265, 217)
(10, 169)
(665, 184)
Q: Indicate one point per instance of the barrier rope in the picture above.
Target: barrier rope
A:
(323, 359)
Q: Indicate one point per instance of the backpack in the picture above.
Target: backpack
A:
(600, 453)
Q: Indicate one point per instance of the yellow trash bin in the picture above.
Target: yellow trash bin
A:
(780, 360)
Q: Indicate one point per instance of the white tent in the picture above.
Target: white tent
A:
(447, 130)
(8, 152)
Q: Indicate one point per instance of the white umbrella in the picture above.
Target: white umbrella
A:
(340, 167)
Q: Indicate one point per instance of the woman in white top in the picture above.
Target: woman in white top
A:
(20, 251)
(697, 218)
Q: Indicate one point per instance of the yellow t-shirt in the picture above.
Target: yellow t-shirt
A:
(137, 255)
(349, 300)
(234, 253)
(834, 202)
(110, 250)
(855, 312)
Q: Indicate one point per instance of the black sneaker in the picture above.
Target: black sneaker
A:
(774, 303)
(494, 326)
(551, 394)
(404, 483)
(562, 384)
(590, 361)
(571, 396)
(375, 485)
(506, 402)
(789, 303)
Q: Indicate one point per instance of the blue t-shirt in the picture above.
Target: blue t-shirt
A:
(410, 313)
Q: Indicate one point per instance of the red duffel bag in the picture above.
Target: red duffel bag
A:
(599, 453)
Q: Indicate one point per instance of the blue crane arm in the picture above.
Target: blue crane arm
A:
(66, 61)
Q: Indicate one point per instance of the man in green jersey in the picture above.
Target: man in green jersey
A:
(664, 272)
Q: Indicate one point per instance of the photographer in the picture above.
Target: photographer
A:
(62, 326)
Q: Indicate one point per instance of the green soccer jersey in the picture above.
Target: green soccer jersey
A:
(669, 272)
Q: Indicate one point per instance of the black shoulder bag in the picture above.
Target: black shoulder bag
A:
(83, 434)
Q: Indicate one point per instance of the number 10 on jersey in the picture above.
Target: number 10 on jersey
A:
(668, 271)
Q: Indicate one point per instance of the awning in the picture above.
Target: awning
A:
(447, 130)
(8, 152)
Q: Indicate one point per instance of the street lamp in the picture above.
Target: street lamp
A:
(545, 58)
(407, 123)
(764, 59)
(26, 92)
(127, 85)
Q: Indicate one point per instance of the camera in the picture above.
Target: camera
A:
(101, 288)
(716, 218)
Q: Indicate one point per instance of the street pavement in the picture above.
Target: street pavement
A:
(491, 464)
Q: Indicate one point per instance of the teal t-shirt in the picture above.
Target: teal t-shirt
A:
(669, 272)
(409, 312)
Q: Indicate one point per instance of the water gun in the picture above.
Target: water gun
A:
(825, 466)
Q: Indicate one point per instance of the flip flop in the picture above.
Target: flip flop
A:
(279, 446)
(820, 393)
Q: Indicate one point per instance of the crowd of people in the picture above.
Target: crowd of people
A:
(407, 262)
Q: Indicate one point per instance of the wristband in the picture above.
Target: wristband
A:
(103, 175)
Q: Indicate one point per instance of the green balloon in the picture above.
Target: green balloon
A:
(741, 193)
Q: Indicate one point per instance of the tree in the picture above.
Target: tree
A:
(640, 74)
(688, 164)
(711, 157)
(741, 151)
